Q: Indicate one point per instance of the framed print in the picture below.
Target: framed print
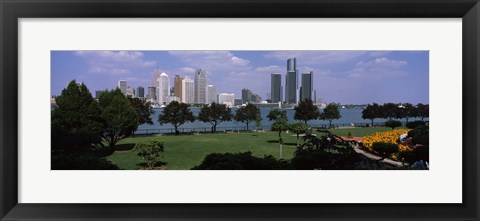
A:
(239, 110)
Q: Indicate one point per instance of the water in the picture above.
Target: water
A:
(348, 116)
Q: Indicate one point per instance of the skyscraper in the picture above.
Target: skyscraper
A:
(152, 93)
(122, 84)
(276, 88)
(211, 94)
(130, 92)
(177, 85)
(188, 91)
(163, 88)
(200, 86)
(307, 86)
(140, 92)
(291, 81)
(246, 95)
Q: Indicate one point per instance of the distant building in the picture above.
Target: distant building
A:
(169, 99)
(227, 99)
(211, 94)
(291, 84)
(188, 90)
(163, 88)
(200, 86)
(130, 92)
(255, 98)
(177, 87)
(276, 90)
(246, 95)
(238, 101)
(152, 94)
(122, 85)
(99, 93)
(307, 86)
(140, 92)
(319, 100)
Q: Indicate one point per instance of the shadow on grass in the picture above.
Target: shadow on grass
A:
(286, 144)
(158, 165)
(123, 147)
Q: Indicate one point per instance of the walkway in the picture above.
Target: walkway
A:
(371, 156)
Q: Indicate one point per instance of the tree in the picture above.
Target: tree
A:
(143, 109)
(215, 114)
(247, 114)
(393, 123)
(371, 112)
(298, 128)
(121, 119)
(280, 124)
(388, 110)
(276, 114)
(305, 111)
(410, 111)
(76, 121)
(400, 112)
(422, 110)
(330, 113)
(151, 153)
(176, 114)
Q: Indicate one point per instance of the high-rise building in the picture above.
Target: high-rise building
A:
(169, 99)
(211, 94)
(276, 91)
(122, 85)
(291, 82)
(188, 91)
(246, 95)
(152, 94)
(177, 87)
(200, 86)
(238, 101)
(227, 99)
(255, 98)
(140, 92)
(307, 86)
(130, 92)
(99, 93)
(163, 88)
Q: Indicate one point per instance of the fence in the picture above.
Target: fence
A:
(234, 129)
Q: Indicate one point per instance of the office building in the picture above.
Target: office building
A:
(276, 90)
(169, 99)
(130, 92)
(227, 99)
(211, 94)
(152, 94)
(291, 85)
(307, 86)
(246, 95)
(238, 101)
(255, 98)
(140, 93)
(163, 88)
(177, 87)
(122, 85)
(188, 91)
(200, 86)
(99, 93)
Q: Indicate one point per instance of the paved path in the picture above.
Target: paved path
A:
(357, 149)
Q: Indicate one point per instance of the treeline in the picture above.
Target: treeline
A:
(395, 111)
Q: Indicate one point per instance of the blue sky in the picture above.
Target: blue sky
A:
(347, 77)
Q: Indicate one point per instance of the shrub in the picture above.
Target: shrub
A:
(385, 149)
(393, 123)
(415, 124)
(240, 161)
(83, 161)
(151, 153)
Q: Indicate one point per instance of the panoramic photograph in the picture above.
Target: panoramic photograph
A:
(239, 110)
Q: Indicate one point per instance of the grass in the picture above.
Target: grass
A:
(186, 151)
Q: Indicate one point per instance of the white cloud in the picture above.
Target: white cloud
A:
(115, 62)
(212, 60)
(378, 68)
(383, 61)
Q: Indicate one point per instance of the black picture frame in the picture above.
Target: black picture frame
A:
(12, 10)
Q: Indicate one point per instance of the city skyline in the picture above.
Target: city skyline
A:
(354, 77)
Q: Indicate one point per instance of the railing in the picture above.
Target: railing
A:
(233, 129)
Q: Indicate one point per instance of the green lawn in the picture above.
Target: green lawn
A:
(186, 151)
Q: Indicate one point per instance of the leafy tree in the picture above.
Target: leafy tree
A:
(144, 110)
(371, 112)
(400, 112)
(410, 110)
(121, 119)
(258, 121)
(330, 113)
(76, 121)
(305, 111)
(151, 153)
(298, 128)
(247, 114)
(422, 110)
(215, 114)
(280, 124)
(176, 114)
(388, 110)
(393, 123)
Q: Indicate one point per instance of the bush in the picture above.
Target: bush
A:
(393, 123)
(385, 149)
(240, 161)
(84, 161)
(415, 124)
(417, 154)
(151, 153)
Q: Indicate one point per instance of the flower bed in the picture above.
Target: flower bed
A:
(387, 137)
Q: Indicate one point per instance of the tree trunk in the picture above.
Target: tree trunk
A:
(297, 139)
(247, 125)
(330, 124)
(372, 122)
(176, 131)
